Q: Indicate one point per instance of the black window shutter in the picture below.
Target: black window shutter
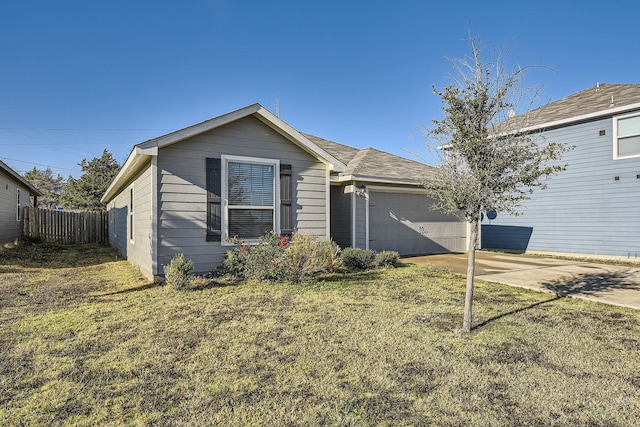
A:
(286, 200)
(214, 201)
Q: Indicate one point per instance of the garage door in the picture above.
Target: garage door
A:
(407, 224)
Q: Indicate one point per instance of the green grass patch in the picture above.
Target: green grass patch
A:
(86, 341)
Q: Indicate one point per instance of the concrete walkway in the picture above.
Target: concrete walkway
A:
(604, 283)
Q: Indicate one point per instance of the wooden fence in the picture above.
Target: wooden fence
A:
(64, 227)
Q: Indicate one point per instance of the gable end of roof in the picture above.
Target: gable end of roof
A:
(141, 152)
(20, 179)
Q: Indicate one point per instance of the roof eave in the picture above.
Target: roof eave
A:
(373, 179)
(141, 152)
(137, 158)
(263, 115)
(283, 128)
(581, 118)
(32, 190)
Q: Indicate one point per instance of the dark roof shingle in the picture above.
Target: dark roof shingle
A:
(594, 100)
(373, 164)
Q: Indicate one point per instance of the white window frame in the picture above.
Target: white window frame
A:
(114, 214)
(131, 214)
(616, 155)
(18, 205)
(225, 159)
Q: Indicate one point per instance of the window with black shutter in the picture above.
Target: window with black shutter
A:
(286, 200)
(243, 202)
(214, 201)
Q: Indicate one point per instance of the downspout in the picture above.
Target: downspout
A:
(327, 202)
(366, 217)
(353, 217)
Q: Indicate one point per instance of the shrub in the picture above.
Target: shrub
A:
(356, 259)
(308, 256)
(178, 272)
(235, 259)
(386, 259)
(262, 261)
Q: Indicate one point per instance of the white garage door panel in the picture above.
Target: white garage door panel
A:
(407, 224)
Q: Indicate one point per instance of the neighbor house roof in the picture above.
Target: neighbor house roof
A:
(601, 100)
(17, 177)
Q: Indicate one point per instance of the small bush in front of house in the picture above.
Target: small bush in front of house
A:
(235, 259)
(356, 259)
(307, 256)
(386, 259)
(262, 261)
(178, 272)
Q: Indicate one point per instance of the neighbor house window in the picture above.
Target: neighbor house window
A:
(250, 193)
(18, 206)
(131, 214)
(626, 136)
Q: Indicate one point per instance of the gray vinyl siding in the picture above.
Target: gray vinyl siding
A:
(140, 247)
(182, 187)
(136, 250)
(118, 209)
(584, 210)
(10, 227)
(340, 216)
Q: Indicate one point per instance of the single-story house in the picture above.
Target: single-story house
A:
(15, 195)
(592, 208)
(247, 172)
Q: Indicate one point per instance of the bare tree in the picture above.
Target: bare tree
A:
(488, 161)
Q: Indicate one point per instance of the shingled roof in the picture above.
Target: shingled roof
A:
(600, 100)
(342, 152)
(370, 164)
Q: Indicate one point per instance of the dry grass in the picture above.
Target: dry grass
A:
(86, 342)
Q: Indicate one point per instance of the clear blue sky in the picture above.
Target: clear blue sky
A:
(80, 76)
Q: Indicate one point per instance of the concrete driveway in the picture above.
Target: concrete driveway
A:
(605, 283)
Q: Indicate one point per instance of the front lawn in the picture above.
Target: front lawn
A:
(85, 341)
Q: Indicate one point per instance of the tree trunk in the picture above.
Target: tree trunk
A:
(471, 272)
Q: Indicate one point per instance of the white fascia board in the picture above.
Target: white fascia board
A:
(602, 113)
(364, 179)
(150, 147)
(199, 128)
(280, 126)
(151, 151)
(259, 112)
(19, 178)
(395, 189)
(131, 166)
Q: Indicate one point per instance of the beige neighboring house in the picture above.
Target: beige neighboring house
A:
(248, 172)
(15, 195)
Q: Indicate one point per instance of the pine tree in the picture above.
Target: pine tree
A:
(51, 186)
(85, 192)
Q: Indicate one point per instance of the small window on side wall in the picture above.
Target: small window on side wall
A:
(131, 219)
(18, 206)
(626, 136)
